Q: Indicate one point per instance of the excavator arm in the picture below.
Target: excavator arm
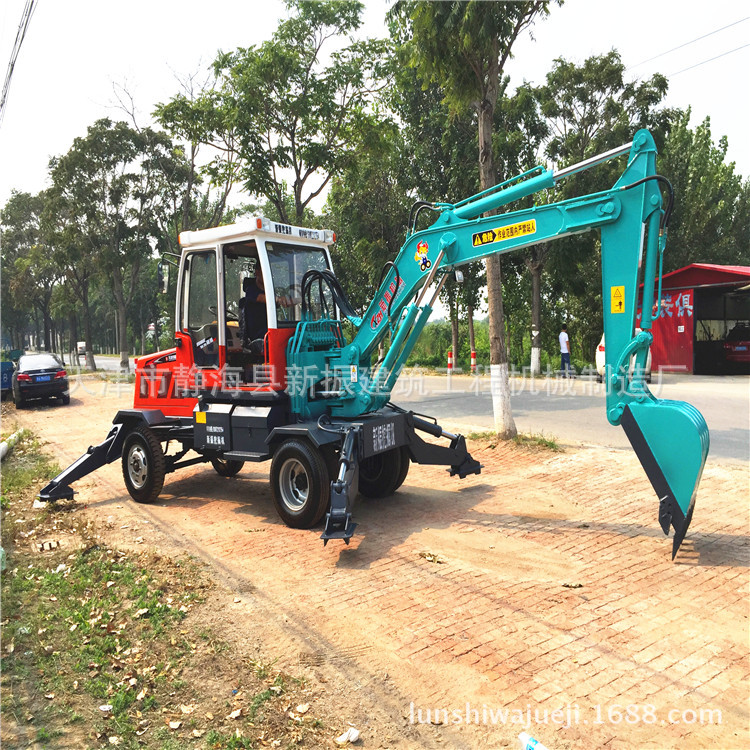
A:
(670, 437)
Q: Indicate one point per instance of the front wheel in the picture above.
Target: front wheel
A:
(143, 465)
(226, 467)
(300, 485)
(381, 475)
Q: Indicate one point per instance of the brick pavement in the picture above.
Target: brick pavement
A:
(640, 632)
(493, 626)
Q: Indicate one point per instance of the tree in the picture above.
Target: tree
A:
(198, 116)
(291, 109)
(113, 184)
(464, 46)
(368, 204)
(589, 109)
(29, 269)
(710, 219)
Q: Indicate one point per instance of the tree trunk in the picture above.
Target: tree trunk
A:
(35, 344)
(74, 358)
(535, 265)
(90, 363)
(122, 320)
(454, 333)
(470, 320)
(47, 323)
(499, 385)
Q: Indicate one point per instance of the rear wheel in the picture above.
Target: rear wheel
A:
(300, 485)
(19, 401)
(381, 475)
(65, 399)
(143, 465)
(226, 467)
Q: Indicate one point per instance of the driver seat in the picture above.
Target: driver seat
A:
(254, 347)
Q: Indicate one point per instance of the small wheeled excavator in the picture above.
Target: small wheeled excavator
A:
(318, 405)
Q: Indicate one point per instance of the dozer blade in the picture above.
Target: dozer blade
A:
(671, 441)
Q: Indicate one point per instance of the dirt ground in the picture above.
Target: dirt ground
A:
(539, 596)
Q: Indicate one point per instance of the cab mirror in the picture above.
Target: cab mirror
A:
(162, 276)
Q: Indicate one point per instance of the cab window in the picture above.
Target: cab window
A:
(199, 307)
(289, 263)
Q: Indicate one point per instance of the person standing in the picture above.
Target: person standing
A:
(565, 352)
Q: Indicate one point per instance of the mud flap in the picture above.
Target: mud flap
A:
(671, 441)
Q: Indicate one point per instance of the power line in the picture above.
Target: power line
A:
(20, 35)
(723, 54)
(692, 41)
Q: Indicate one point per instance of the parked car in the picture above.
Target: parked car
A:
(737, 344)
(600, 362)
(40, 376)
(6, 377)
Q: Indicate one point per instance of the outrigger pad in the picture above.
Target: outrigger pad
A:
(338, 530)
(671, 441)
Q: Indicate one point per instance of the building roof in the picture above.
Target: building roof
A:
(706, 274)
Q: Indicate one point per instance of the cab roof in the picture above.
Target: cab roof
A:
(255, 226)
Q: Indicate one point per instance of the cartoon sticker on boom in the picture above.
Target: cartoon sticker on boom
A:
(421, 256)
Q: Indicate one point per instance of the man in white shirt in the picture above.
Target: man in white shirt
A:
(565, 352)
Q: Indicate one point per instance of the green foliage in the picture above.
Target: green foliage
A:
(463, 46)
(368, 205)
(25, 466)
(285, 108)
(29, 271)
(113, 194)
(590, 108)
(711, 219)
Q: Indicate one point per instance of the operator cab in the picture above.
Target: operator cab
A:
(238, 303)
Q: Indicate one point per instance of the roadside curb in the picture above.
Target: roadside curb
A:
(7, 445)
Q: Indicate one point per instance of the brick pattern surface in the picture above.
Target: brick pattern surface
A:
(555, 591)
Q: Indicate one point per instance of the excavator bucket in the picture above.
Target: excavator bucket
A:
(671, 441)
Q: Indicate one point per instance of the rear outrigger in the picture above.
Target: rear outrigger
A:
(312, 403)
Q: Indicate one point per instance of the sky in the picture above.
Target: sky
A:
(78, 52)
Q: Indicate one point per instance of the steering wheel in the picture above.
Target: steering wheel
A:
(291, 292)
(230, 315)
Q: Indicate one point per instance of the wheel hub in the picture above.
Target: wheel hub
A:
(137, 467)
(294, 484)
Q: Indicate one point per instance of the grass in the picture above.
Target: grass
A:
(80, 629)
(96, 649)
(526, 441)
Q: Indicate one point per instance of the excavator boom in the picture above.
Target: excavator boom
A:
(670, 437)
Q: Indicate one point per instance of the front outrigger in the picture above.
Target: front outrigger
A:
(316, 406)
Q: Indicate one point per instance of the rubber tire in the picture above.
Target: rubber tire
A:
(301, 460)
(405, 464)
(381, 475)
(19, 401)
(227, 467)
(65, 399)
(141, 438)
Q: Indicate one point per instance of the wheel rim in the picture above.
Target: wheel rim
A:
(137, 466)
(294, 485)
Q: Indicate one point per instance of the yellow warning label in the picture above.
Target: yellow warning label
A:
(200, 417)
(504, 233)
(618, 299)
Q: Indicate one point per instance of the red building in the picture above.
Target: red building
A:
(700, 304)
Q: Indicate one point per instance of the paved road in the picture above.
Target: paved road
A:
(111, 364)
(573, 411)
